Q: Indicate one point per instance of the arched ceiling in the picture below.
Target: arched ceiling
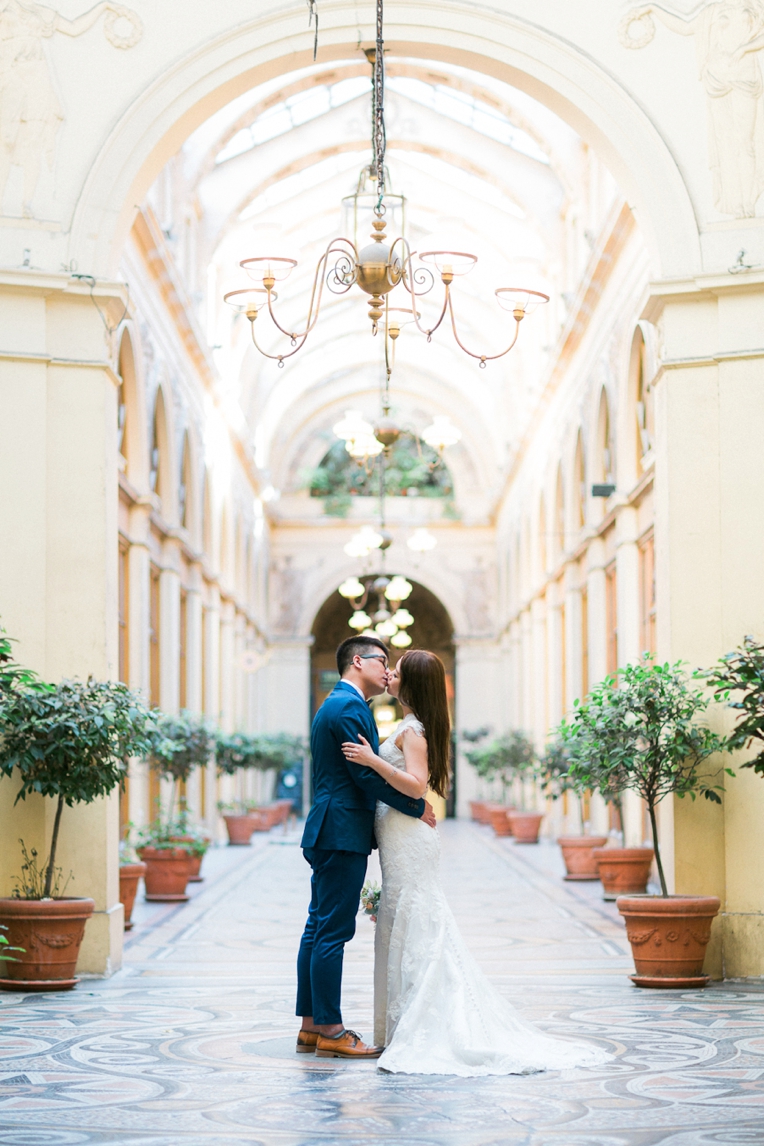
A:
(482, 165)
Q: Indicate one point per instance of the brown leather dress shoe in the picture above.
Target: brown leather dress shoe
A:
(347, 1044)
(306, 1042)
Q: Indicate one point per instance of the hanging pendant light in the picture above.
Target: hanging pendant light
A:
(421, 541)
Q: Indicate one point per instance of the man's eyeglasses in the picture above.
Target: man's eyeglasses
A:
(374, 657)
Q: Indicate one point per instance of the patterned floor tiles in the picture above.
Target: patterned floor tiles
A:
(191, 1043)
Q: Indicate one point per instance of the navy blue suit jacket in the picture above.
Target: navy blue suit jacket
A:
(345, 795)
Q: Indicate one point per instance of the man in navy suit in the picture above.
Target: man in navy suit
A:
(338, 837)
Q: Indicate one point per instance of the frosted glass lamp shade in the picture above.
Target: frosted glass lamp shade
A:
(421, 541)
(401, 640)
(441, 433)
(351, 589)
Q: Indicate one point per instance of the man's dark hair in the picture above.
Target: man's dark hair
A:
(353, 647)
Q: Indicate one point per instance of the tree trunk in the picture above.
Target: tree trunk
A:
(53, 845)
(654, 826)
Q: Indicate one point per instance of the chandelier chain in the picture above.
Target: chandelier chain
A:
(379, 139)
(313, 22)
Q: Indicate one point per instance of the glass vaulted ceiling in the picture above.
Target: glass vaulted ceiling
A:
(480, 162)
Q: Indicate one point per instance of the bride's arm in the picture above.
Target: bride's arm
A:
(412, 782)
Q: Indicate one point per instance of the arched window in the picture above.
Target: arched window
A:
(605, 461)
(130, 428)
(184, 485)
(159, 477)
(579, 484)
(207, 530)
(542, 546)
(644, 400)
(559, 514)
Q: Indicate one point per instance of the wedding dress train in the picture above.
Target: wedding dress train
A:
(434, 1010)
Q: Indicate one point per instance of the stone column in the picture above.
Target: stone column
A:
(211, 701)
(139, 609)
(538, 679)
(629, 651)
(194, 699)
(709, 545)
(478, 699)
(59, 545)
(597, 637)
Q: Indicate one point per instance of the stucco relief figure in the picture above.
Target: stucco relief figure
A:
(30, 112)
(729, 34)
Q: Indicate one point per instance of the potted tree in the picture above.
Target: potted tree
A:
(479, 809)
(621, 870)
(234, 752)
(639, 731)
(69, 743)
(556, 780)
(738, 681)
(508, 758)
(171, 851)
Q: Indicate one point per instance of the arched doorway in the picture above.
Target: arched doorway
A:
(432, 629)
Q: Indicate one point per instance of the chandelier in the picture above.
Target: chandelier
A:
(378, 268)
(389, 619)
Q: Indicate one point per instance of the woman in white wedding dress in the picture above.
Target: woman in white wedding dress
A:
(434, 1010)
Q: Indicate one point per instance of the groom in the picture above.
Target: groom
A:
(338, 837)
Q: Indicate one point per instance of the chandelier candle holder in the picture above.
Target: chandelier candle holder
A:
(388, 620)
(377, 268)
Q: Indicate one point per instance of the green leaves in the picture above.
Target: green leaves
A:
(738, 681)
(639, 731)
(506, 758)
(409, 467)
(180, 744)
(6, 949)
(244, 750)
(73, 739)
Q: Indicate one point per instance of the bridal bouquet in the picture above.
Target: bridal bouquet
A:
(370, 894)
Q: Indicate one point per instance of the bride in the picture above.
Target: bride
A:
(434, 1010)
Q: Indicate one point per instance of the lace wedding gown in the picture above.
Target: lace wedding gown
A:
(434, 1009)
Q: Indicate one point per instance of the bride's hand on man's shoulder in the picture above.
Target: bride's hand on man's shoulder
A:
(361, 753)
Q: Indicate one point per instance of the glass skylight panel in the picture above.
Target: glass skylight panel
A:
(471, 112)
(297, 109)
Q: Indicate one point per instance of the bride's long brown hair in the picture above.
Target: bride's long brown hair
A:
(423, 689)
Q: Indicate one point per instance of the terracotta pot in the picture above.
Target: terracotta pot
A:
(167, 872)
(668, 936)
(50, 933)
(499, 819)
(479, 811)
(577, 854)
(525, 826)
(129, 875)
(196, 861)
(623, 871)
(240, 827)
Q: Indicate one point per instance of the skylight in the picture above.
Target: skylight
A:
(471, 112)
(292, 112)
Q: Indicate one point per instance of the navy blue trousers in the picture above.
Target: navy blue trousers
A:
(335, 895)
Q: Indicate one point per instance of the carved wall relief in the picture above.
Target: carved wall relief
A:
(30, 113)
(729, 35)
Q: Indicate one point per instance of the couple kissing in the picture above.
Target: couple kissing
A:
(434, 1010)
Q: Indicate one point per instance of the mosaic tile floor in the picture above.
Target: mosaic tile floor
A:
(191, 1043)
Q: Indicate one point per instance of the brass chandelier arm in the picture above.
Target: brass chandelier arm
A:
(408, 277)
(335, 247)
(482, 358)
(298, 345)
